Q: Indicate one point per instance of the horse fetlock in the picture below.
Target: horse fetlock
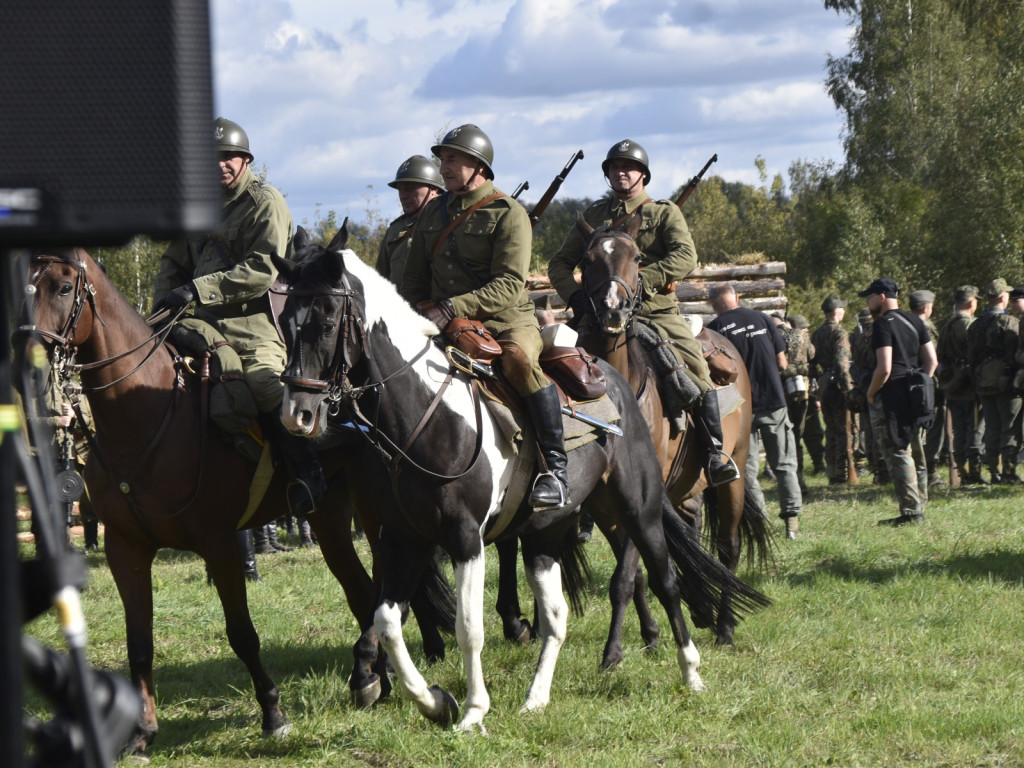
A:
(689, 663)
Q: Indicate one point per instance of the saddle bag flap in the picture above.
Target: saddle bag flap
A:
(720, 363)
(473, 338)
(574, 371)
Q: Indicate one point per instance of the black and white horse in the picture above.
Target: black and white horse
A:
(439, 468)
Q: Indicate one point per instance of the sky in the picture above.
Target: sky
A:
(336, 94)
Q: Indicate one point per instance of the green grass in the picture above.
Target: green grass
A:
(884, 647)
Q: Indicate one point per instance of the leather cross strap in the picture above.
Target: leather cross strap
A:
(634, 212)
(461, 218)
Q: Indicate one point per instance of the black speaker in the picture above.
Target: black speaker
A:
(106, 121)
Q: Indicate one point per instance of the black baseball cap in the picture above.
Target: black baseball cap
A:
(883, 285)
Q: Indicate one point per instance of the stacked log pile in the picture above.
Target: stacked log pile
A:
(758, 286)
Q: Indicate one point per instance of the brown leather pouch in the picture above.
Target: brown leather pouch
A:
(575, 372)
(473, 338)
(720, 362)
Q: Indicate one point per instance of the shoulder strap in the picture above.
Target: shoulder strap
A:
(634, 212)
(906, 357)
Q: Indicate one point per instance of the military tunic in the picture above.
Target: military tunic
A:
(394, 248)
(832, 358)
(953, 353)
(995, 335)
(668, 255)
(494, 243)
(232, 273)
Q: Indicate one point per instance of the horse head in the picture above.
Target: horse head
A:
(323, 324)
(611, 274)
(60, 298)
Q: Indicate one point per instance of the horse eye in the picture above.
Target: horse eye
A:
(327, 329)
(65, 289)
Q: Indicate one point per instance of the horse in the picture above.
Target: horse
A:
(358, 350)
(159, 480)
(612, 281)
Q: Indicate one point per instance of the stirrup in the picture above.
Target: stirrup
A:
(300, 496)
(729, 464)
(563, 493)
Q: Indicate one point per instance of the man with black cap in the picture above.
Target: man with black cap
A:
(901, 344)
(832, 360)
(922, 302)
(955, 382)
(992, 342)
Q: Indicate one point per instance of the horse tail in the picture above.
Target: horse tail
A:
(434, 601)
(755, 534)
(703, 580)
(576, 573)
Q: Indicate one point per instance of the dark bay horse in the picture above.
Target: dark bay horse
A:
(157, 480)
(356, 347)
(611, 278)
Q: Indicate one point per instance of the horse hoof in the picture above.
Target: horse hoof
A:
(279, 732)
(525, 634)
(449, 713)
(367, 696)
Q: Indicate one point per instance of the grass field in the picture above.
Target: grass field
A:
(884, 647)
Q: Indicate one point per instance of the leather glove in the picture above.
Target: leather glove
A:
(579, 303)
(179, 298)
(440, 314)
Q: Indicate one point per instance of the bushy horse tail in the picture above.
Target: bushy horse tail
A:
(576, 574)
(434, 601)
(755, 534)
(703, 580)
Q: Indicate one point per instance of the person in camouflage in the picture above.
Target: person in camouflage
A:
(469, 257)
(992, 347)
(228, 275)
(799, 352)
(832, 360)
(668, 255)
(954, 378)
(862, 368)
(922, 303)
(418, 182)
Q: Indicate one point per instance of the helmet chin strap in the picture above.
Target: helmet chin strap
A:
(628, 193)
(465, 187)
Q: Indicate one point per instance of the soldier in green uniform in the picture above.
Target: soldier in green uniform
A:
(469, 257)
(954, 379)
(799, 352)
(668, 255)
(228, 275)
(862, 368)
(992, 347)
(922, 303)
(418, 182)
(832, 359)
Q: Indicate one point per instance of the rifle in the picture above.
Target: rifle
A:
(954, 471)
(552, 190)
(520, 189)
(851, 465)
(688, 190)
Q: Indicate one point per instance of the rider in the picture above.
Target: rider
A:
(668, 255)
(228, 275)
(479, 272)
(418, 182)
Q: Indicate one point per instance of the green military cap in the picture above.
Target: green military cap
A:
(864, 317)
(921, 297)
(965, 293)
(997, 287)
(831, 302)
(798, 322)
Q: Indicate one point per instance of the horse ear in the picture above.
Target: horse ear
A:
(301, 239)
(632, 225)
(340, 238)
(286, 270)
(581, 224)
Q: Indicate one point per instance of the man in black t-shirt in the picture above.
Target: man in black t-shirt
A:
(901, 344)
(763, 351)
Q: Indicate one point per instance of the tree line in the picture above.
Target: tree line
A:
(931, 191)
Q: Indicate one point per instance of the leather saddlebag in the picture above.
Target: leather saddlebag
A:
(473, 338)
(575, 372)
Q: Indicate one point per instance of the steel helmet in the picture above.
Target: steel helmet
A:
(230, 137)
(418, 170)
(471, 140)
(628, 150)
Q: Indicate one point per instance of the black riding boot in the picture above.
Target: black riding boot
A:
(719, 472)
(248, 551)
(91, 529)
(273, 541)
(304, 468)
(261, 541)
(551, 488)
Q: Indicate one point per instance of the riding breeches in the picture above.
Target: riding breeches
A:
(262, 364)
(520, 359)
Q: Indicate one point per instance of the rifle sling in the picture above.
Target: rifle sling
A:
(615, 224)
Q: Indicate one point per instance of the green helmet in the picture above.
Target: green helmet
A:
(471, 140)
(230, 137)
(418, 170)
(628, 150)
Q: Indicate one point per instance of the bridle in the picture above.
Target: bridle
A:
(634, 295)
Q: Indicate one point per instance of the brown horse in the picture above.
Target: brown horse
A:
(613, 283)
(157, 479)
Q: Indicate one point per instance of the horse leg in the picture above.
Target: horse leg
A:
(427, 612)
(230, 584)
(515, 627)
(730, 510)
(544, 575)
(131, 566)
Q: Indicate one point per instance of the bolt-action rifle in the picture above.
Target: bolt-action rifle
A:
(552, 190)
(692, 185)
(520, 189)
